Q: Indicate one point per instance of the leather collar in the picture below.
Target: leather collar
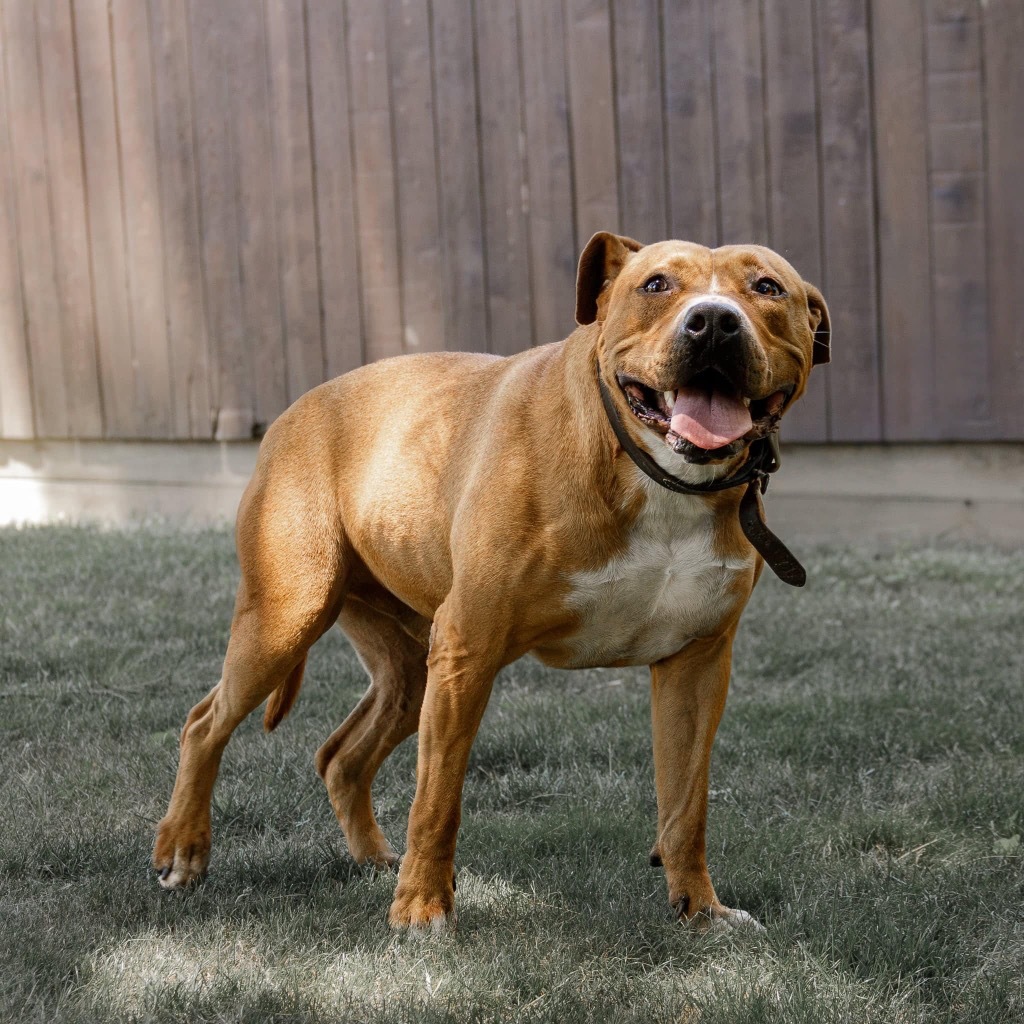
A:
(763, 459)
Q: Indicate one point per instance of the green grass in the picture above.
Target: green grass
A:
(867, 789)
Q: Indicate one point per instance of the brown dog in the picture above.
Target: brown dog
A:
(454, 512)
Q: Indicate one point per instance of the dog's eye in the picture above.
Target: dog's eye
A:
(658, 283)
(766, 286)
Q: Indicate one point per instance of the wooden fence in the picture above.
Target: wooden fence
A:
(209, 206)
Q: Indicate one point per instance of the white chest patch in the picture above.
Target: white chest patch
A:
(667, 587)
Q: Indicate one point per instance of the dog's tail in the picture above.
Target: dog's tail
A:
(282, 699)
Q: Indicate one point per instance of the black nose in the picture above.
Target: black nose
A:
(710, 323)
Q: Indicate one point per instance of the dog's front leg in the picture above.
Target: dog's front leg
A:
(459, 679)
(688, 694)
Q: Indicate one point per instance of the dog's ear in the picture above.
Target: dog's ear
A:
(821, 326)
(603, 257)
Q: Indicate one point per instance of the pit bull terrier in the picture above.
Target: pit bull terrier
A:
(580, 502)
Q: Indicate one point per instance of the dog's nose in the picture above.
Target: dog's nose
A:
(710, 323)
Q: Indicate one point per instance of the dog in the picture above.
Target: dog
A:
(456, 511)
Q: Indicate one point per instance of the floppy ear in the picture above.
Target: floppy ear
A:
(820, 325)
(603, 257)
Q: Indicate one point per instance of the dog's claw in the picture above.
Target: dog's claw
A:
(163, 872)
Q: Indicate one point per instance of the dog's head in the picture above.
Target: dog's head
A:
(708, 347)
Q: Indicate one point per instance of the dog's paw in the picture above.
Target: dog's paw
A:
(373, 852)
(423, 914)
(379, 860)
(727, 919)
(180, 855)
(716, 918)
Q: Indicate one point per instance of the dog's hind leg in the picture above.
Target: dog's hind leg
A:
(294, 571)
(387, 714)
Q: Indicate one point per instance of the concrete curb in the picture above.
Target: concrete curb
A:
(824, 493)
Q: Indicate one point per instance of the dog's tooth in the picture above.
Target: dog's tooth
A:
(670, 398)
(746, 402)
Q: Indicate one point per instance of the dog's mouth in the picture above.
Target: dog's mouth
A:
(708, 417)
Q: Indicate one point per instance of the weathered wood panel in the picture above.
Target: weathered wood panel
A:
(144, 244)
(740, 121)
(340, 282)
(905, 287)
(15, 374)
(191, 410)
(794, 173)
(640, 109)
(207, 208)
(464, 275)
(1004, 166)
(848, 222)
(504, 178)
(122, 412)
(592, 117)
(373, 155)
(70, 229)
(963, 383)
(27, 126)
(217, 146)
(419, 220)
(292, 153)
(549, 169)
(690, 122)
(260, 206)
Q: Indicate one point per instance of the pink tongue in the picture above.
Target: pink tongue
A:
(709, 419)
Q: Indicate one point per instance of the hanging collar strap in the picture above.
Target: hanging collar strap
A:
(763, 459)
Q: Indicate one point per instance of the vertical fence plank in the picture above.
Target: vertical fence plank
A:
(35, 229)
(1004, 113)
(133, 85)
(15, 373)
(106, 221)
(374, 179)
(335, 207)
(70, 231)
(588, 39)
(794, 201)
(690, 122)
(455, 99)
(183, 285)
(848, 224)
(959, 273)
(293, 172)
(904, 285)
(419, 235)
(545, 103)
(791, 115)
(211, 30)
(335, 189)
(501, 131)
(739, 113)
(263, 328)
(640, 114)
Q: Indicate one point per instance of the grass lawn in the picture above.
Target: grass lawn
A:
(868, 789)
